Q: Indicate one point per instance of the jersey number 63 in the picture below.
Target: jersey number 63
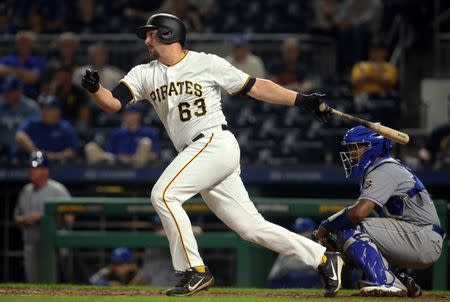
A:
(186, 111)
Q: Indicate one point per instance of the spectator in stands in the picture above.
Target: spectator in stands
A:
(157, 261)
(14, 108)
(325, 17)
(436, 151)
(67, 48)
(131, 144)
(288, 272)
(243, 59)
(376, 75)
(121, 271)
(357, 22)
(51, 134)
(42, 16)
(98, 60)
(86, 18)
(141, 10)
(30, 209)
(26, 65)
(73, 98)
(7, 25)
(290, 71)
(35, 20)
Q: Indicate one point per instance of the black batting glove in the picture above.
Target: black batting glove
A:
(90, 80)
(310, 103)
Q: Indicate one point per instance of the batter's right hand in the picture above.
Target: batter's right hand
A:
(310, 103)
(90, 80)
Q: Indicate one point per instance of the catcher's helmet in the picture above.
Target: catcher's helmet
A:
(374, 144)
(170, 28)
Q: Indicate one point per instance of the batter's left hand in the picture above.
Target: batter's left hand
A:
(91, 80)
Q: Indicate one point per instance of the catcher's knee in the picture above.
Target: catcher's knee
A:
(346, 237)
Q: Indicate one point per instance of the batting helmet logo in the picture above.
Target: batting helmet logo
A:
(170, 28)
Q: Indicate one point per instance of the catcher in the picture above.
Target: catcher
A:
(407, 233)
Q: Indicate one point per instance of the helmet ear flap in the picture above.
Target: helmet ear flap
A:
(165, 34)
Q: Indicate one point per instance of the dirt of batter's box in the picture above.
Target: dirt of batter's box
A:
(143, 292)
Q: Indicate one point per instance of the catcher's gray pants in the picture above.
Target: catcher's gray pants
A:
(403, 243)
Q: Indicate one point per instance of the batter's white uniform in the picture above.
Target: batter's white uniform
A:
(186, 96)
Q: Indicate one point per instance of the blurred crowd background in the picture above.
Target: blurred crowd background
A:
(381, 60)
(369, 57)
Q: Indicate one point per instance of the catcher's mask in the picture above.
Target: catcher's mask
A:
(363, 147)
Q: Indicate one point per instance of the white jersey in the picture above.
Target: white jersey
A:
(186, 95)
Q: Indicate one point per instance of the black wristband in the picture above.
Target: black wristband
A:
(298, 99)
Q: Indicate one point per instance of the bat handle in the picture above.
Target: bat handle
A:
(323, 107)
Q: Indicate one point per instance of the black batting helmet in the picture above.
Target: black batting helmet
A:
(170, 28)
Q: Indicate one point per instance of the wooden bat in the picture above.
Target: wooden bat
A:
(395, 135)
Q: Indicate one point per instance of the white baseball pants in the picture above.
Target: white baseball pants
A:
(210, 166)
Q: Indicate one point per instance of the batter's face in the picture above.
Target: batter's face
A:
(153, 44)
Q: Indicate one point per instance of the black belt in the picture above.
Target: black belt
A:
(224, 127)
(438, 230)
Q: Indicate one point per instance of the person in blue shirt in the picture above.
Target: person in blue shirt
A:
(288, 272)
(51, 134)
(14, 108)
(121, 271)
(26, 65)
(131, 143)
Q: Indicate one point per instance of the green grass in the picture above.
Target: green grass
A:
(42, 293)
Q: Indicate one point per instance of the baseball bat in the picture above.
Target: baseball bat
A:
(395, 135)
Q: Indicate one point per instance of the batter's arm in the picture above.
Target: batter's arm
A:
(270, 92)
(109, 101)
(105, 100)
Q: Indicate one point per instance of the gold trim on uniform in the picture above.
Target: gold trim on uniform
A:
(167, 206)
(242, 87)
(184, 56)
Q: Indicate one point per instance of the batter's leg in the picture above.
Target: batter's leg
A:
(230, 202)
(199, 166)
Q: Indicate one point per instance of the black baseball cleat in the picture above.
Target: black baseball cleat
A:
(330, 271)
(191, 282)
(412, 288)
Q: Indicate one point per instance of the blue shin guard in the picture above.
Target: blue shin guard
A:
(364, 254)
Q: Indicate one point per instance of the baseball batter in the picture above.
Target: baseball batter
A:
(407, 232)
(184, 88)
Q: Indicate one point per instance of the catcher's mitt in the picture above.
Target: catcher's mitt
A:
(329, 241)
